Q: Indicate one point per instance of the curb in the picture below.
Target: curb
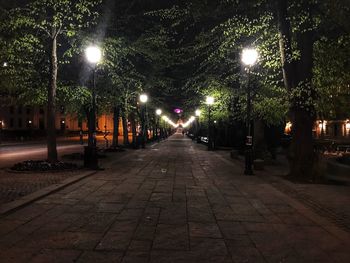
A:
(28, 199)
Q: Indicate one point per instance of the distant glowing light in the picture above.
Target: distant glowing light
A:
(143, 98)
(198, 113)
(158, 111)
(322, 125)
(30, 122)
(166, 119)
(93, 54)
(288, 127)
(5, 64)
(249, 56)
(177, 111)
(190, 120)
(347, 125)
(209, 100)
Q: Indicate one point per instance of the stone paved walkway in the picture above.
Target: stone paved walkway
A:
(174, 202)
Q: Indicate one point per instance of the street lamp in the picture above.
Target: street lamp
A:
(143, 99)
(249, 58)
(198, 114)
(158, 112)
(209, 101)
(93, 55)
(1, 123)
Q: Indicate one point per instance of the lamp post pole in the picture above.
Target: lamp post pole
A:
(249, 139)
(143, 99)
(197, 114)
(209, 129)
(209, 102)
(0, 130)
(158, 113)
(93, 55)
(249, 58)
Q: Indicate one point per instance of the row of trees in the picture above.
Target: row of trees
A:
(303, 69)
(42, 46)
(186, 51)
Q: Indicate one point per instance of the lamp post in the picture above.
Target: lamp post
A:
(143, 99)
(165, 120)
(249, 58)
(93, 55)
(1, 123)
(209, 101)
(158, 112)
(198, 114)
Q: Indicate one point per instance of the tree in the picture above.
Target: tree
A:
(51, 23)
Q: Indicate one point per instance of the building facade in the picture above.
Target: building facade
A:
(22, 118)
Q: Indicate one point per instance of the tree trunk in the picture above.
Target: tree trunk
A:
(133, 128)
(51, 104)
(125, 128)
(116, 115)
(302, 117)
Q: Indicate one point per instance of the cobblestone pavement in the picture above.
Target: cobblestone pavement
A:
(16, 185)
(174, 202)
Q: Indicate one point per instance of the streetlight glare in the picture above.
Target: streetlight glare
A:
(249, 56)
(158, 111)
(143, 98)
(198, 113)
(93, 54)
(210, 100)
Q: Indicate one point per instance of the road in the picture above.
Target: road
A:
(14, 153)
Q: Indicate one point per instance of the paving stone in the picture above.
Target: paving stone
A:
(100, 257)
(204, 230)
(124, 226)
(140, 245)
(246, 255)
(56, 256)
(17, 255)
(144, 232)
(109, 207)
(93, 222)
(175, 214)
(56, 240)
(208, 246)
(231, 228)
(115, 241)
(172, 237)
(136, 257)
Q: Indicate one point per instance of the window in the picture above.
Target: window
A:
(11, 123)
(19, 122)
(28, 110)
(19, 110)
(12, 109)
(41, 111)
